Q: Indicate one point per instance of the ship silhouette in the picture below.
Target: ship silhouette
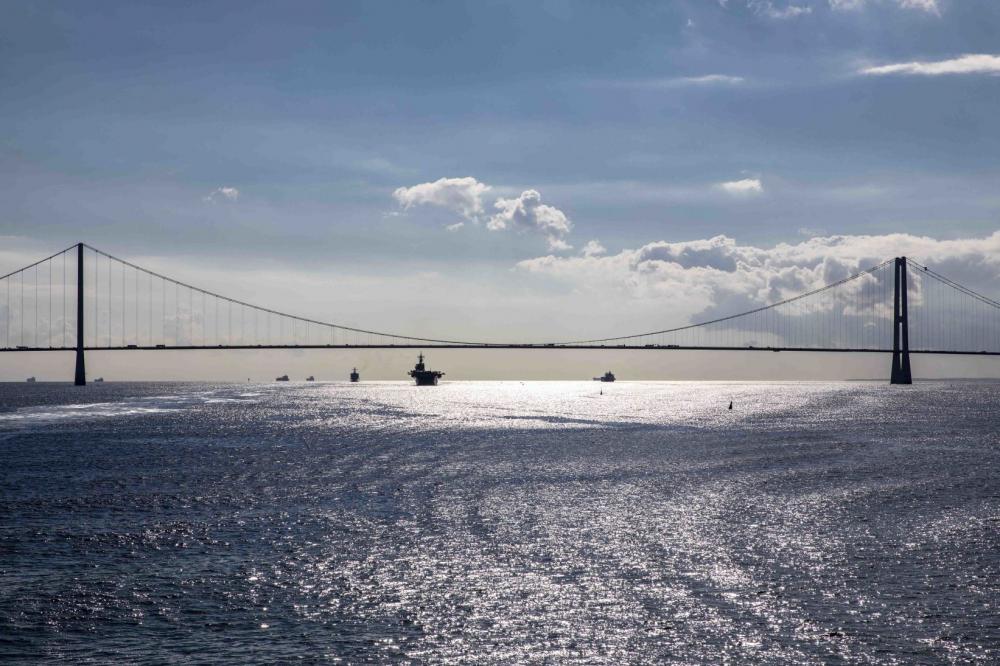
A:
(424, 377)
(355, 377)
(606, 377)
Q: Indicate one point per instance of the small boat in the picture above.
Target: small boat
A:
(355, 377)
(282, 378)
(424, 377)
(310, 378)
(99, 380)
(30, 380)
(606, 377)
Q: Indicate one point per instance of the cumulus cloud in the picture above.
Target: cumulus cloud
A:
(593, 248)
(527, 213)
(464, 196)
(460, 195)
(966, 64)
(744, 187)
(223, 194)
(713, 276)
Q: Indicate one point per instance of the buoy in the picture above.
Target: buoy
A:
(730, 404)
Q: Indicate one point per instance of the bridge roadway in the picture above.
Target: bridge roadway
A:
(546, 346)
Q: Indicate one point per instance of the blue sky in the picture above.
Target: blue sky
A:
(217, 140)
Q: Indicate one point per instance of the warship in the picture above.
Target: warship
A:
(310, 378)
(606, 377)
(282, 378)
(355, 377)
(423, 376)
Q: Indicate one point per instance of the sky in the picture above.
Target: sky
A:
(503, 170)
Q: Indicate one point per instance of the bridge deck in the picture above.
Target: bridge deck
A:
(549, 347)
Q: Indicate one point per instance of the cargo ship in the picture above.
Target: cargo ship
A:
(282, 378)
(606, 377)
(424, 377)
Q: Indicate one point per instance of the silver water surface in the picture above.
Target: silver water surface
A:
(501, 522)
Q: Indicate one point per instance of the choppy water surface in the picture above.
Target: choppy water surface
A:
(501, 523)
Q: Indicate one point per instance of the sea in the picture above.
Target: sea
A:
(500, 523)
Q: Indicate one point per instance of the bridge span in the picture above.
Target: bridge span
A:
(83, 299)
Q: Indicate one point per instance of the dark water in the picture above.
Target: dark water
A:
(500, 523)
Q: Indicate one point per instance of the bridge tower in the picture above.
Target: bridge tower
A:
(80, 379)
(900, 329)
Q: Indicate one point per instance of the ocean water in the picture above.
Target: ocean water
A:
(500, 522)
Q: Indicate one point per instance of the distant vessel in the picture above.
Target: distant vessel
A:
(99, 380)
(423, 376)
(606, 377)
(355, 377)
(310, 378)
(282, 378)
(31, 380)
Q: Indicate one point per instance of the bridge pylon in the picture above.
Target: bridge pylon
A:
(80, 377)
(900, 328)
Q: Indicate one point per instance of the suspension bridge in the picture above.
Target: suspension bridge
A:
(83, 299)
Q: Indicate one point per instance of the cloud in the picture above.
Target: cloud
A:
(593, 248)
(708, 79)
(524, 213)
(789, 11)
(745, 187)
(222, 194)
(703, 80)
(966, 64)
(708, 277)
(929, 6)
(460, 195)
(527, 213)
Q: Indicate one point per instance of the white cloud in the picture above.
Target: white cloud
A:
(789, 11)
(223, 194)
(464, 196)
(966, 64)
(460, 195)
(704, 80)
(929, 6)
(926, 5)
(709, 79)
(527, 213)
(718, 275)
(744, 187)
(593, 248)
